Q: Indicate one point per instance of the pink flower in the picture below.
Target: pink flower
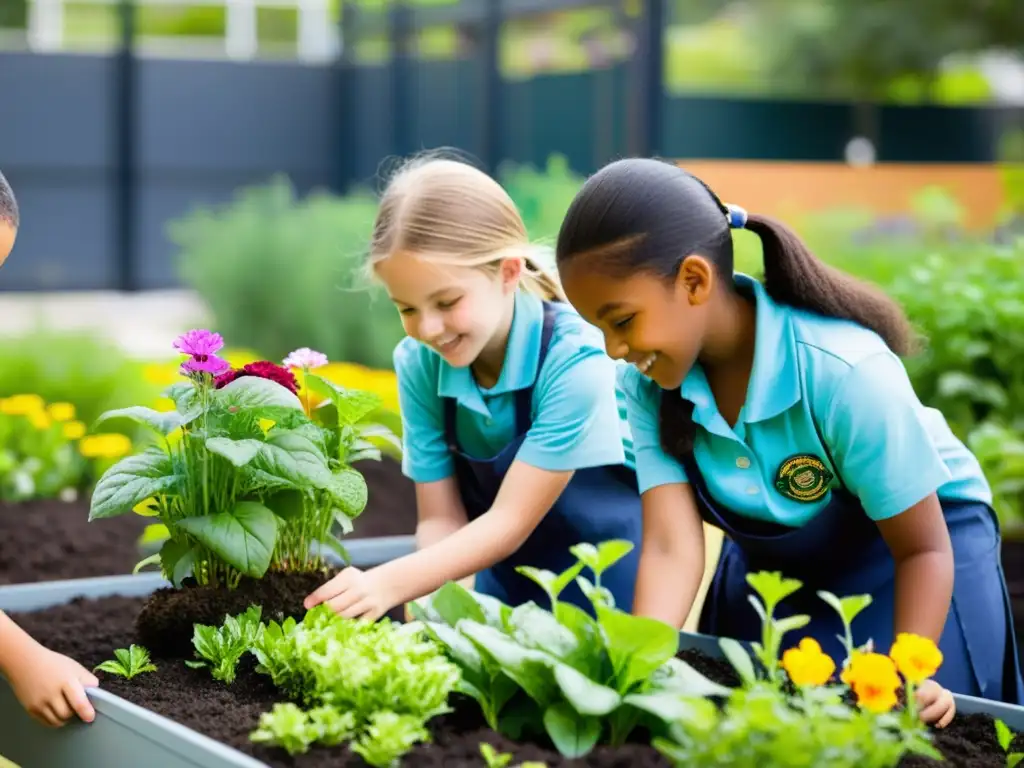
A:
(201, 346)
(305, 358)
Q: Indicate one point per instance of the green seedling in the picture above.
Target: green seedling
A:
(128, 662)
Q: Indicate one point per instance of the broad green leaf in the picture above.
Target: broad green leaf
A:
(176, 560)
(573, 735)
(256, 392)
(244, 538)
(294, 459)
(772, 587)
(186, 402)
(461, 649)
(288, 504)
(637, 645)
(602, 557)
(353, 405)
(790, 623)
(380, 432)
(673, 708)
(132, 480)
(553, 584)
(739, 658)
(348, 488)
(529, 668)
(162, 422)
(847, 607)
(1003, 734)
(1013, 759)
(238, 452)
(533, 627)
(676, 676)
(454, 603)
(586, 696)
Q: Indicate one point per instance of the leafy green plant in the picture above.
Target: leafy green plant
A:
(799, 718)
(221, 648)
(572, 675)
(1005, 738)
(128, 662)
(382, 680)
(240, 475)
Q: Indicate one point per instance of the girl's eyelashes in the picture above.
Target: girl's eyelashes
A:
(450, 303)
(624, 321)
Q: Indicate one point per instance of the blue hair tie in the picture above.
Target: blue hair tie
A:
(737, 216)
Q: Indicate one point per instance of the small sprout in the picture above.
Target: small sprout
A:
(493, 757)
(284, 726)
(129, 662)
(1005, 737)
(222, 647)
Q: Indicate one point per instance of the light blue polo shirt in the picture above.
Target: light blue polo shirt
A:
(578, 414)
(889, 449)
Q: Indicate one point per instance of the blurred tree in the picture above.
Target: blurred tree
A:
(858, 49)
(13, 14)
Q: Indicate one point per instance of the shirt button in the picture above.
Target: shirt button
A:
(753, 490)
(742, 462)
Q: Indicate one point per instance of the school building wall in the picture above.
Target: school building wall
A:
(99, 177)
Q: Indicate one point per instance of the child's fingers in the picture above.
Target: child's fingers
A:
(75, 695)
(87, 678)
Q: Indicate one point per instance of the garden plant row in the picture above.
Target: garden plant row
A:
(213, 661)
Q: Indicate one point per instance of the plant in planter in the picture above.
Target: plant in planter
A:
(244, 481)
(576, 677)
(807, 717)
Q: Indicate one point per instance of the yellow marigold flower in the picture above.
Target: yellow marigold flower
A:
(61, 411)
(873, 679)
(105, 446)
(73, 429)
(917, 658)
(807, 665)
(22, 405)
(39, 419)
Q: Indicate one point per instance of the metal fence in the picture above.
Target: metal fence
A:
(104, 149)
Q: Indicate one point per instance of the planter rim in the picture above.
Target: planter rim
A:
(125, 735)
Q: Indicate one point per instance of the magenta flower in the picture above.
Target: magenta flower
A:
(201, 346)
(305, 358)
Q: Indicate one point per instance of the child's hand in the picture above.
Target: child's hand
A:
(935, 704)
(51, 687)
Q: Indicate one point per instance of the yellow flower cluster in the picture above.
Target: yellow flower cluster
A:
(43, 416)
(34, 409)
(874, 677)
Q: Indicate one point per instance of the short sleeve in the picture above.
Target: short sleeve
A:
(880, 442)
(654, 467)
(576, 423)
(425, 456)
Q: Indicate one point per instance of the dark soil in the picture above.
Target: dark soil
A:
(90, 630)
(50, 540)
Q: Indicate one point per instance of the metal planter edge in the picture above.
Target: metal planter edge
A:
(124, 735)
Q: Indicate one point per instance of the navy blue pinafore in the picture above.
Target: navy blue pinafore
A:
(840, 550)
(598, 504)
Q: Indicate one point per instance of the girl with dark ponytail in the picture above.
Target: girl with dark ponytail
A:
(780, 412)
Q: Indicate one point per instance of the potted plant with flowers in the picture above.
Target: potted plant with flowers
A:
(247, 483)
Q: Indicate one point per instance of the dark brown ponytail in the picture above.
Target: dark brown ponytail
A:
(676, 428)
(796, 277)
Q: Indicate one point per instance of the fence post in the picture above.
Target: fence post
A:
(492, 98)
(403, 92)
(125, 160)
(648, 86)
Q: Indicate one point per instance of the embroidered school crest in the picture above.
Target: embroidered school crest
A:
(803, 478)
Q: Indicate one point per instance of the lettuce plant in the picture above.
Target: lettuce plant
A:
(563, 672)
(128, 662)
(221, 648)
(243, 478)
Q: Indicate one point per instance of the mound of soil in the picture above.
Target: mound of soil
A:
(90, 630)
(50, 539)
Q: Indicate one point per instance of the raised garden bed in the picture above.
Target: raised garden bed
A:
(53, 540)
(179, 716)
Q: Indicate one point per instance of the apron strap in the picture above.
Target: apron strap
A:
(524, 397)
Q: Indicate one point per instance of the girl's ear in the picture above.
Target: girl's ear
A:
(510, 272)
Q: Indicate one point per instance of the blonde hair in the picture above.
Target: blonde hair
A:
(450, 212)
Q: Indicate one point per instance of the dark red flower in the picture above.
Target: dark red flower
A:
(265, 370)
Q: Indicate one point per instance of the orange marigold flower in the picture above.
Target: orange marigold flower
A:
(807, 665)
(874, 680)
(917, 658)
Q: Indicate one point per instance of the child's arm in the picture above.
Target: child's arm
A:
(50, 687)
(672, 553)
(440, 514)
